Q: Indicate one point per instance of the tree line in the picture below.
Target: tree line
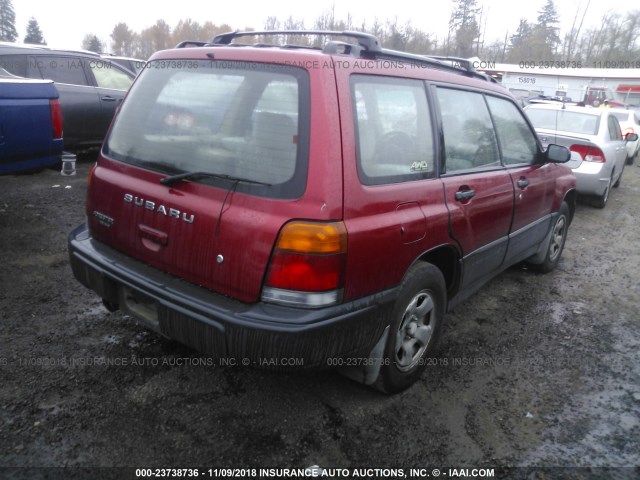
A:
(616, 38)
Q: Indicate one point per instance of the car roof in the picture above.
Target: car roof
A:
(569, 108)
(622, 110)
(354, 44)
(7, 47)
(120, 57)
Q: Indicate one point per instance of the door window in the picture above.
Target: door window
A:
(517, 142)
(109, 76)
(469, 138)
(614, 129)
(62, 69)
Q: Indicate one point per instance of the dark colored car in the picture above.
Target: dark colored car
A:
(315, 207)
(90, 87)
(134, 65)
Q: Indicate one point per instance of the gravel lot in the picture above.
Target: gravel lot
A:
(535, 370)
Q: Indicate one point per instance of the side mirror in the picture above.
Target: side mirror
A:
(631, 137)
(557, 154)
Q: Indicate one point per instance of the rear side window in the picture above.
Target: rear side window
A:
(62, 69)
(517, 142)
(393, 128)
(15, 64)
(246, 121)
(469, 137)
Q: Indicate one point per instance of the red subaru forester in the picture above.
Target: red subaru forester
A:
(325, 204)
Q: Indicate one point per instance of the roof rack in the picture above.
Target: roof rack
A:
(368, 46)
(463, 63)
(367, 41)
(191, 43)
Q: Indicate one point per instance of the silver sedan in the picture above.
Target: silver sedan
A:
(593, 133)
(629, 123)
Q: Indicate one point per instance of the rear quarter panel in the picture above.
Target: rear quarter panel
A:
(389, 226)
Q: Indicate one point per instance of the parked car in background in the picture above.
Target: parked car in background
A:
(253, 204)
(595, 134)
(629, 123)
(90, 87)
(30, 124)
(134, 65)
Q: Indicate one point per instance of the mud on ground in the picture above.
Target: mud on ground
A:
(534, 370)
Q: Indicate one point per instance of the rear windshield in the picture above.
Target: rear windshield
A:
(564, 121)
(247, 121)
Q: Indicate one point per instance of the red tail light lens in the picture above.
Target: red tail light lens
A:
(56, 118)
(589, 153)
(308, 273)
(307, 265)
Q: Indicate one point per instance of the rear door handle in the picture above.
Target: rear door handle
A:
(462, 195)
(108, 98)
(523, 183)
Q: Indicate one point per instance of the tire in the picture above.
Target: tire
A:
(601, 201)
(558, 239)
(416, 323)
(617, 184)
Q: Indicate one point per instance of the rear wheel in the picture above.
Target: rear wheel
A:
(417, 319)
(601, 201)
(617, 184)
(558, 239)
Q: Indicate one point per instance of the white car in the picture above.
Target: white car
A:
(629, 123)
(595, 134)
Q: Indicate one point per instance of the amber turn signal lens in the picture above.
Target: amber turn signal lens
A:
(307, 237)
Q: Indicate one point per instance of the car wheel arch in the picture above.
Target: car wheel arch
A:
(447, 259)
(571, 199)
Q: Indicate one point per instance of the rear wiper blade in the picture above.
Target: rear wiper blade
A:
(171, 179)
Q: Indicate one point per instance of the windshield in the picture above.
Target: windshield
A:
(235, 119)
(564, 121)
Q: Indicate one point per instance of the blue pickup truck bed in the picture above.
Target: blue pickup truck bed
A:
(30, 125)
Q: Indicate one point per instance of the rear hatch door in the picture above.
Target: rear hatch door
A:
(244, 131)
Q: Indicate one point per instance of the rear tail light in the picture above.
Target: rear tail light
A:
(56, 118)
(589, 153)
(307, 265)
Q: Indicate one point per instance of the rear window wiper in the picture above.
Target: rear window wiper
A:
(171, 179)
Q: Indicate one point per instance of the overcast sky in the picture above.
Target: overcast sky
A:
(64, 23)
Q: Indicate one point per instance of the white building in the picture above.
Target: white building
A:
(552, 80)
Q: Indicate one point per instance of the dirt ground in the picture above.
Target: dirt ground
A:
(536, 371)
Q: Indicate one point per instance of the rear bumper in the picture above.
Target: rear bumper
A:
(592, 178)
(255, 334)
